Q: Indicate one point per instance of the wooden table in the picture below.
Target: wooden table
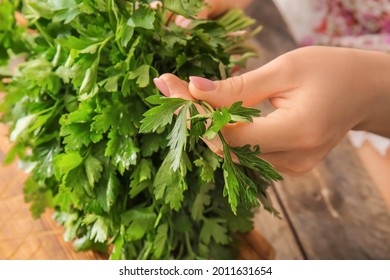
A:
(21, 236)
(333, 212)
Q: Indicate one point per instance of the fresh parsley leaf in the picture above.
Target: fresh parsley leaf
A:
(142, 172)
(197, 126)
(238, 113)
(178, 138)
(141, 178)
(202, 200)
(107, 191)
(232, 183)
(138, 221)
(93, 169)
(249, 157)
(161, 115)
(187, 8)
(38, 195)
(122, 150)
(208, 164)
(99, 230)
(214, 228)
(123, 167)
(142, 17)
(64, 163)
(152, 143)
(160, 243)
(220, 118)
(63, 198)
(117, 251)
(169, 185)
(238, 185)
(77, 181)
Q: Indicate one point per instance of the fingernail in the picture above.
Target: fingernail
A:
(183, 22)
(155, 5)
(203, 83)
(160, 84)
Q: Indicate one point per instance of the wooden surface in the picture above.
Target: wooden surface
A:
(333, 212)
(21, 236)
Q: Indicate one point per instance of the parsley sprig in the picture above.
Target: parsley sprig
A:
(78, 108)
(238, 187)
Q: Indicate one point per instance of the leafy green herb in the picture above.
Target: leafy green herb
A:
(239, 187)
(124, 173)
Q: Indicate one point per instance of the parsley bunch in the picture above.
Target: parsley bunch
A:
(123, 172)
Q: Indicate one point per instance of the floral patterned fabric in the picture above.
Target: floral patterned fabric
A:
(361, 24)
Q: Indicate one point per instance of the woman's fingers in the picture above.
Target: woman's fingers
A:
(251, 87)
(280, 130)
(182, 21)
(155, 4)
(295, 163)
(171, 86)
(276, 133)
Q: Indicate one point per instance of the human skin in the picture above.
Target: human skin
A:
(319, 94)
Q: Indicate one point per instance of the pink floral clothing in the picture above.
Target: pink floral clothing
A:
(361, 24)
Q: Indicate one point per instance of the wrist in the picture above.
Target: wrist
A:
(376, 113)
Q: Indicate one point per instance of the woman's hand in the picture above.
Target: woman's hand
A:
(319, 94)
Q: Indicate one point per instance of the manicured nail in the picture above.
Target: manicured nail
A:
(183, 22)
(155, 5)
(203, 83)
(160, 84)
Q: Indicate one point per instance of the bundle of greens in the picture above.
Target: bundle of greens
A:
(123, 172)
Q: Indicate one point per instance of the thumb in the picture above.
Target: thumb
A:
(251, 88)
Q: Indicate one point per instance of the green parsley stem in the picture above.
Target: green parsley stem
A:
(44, 33)
(207, 107)
(188, 245)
